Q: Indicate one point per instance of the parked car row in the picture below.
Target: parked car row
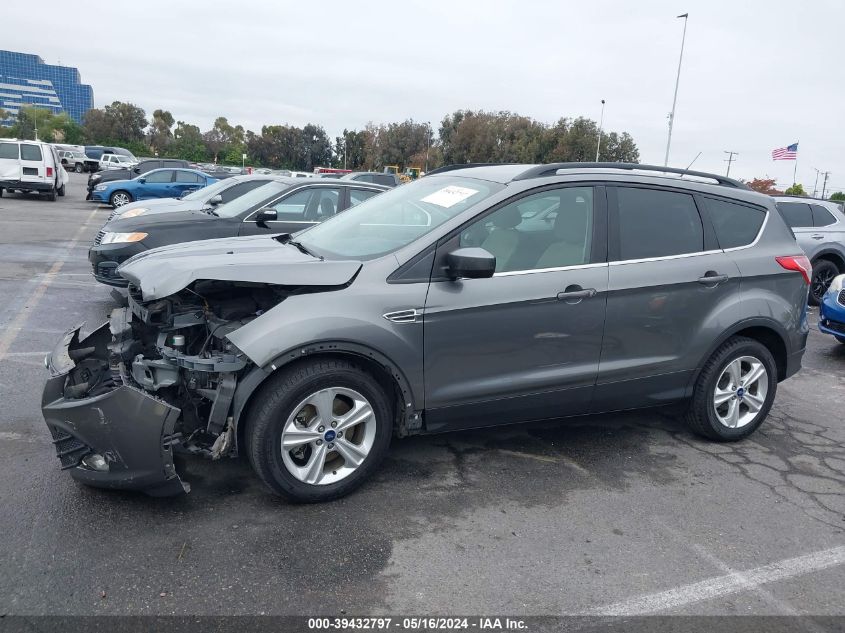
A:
(306, 336)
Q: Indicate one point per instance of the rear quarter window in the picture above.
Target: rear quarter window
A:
(9, 150)
(30, 152)
(796, 214)
(821, 216)
(735, 224)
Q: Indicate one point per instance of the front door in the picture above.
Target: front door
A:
(296, 211)
(525, 343)
(672, 292)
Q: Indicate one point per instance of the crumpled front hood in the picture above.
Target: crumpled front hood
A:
(165, 271)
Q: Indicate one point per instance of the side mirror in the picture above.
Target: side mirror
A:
(267, 214)
(142, 180)
(215, 200)
(471, 263)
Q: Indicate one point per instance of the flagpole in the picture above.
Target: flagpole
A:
(795, 168)
(685, 16)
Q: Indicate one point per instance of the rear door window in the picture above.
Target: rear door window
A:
(821, 216)
(735, 224)
(357, 196)
(384, 179)
(9, 150)
(188, 176)
(30, 152)
(656, 223)
(796, 214)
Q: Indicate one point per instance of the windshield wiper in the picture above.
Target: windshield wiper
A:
(304, 250)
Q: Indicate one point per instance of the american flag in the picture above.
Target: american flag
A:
(790, 152)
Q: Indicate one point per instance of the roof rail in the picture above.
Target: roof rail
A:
(445, 168)
(552, 169)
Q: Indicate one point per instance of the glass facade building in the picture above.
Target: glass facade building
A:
(26, 80)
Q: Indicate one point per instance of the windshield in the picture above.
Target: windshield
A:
(396, 218)
(207, 192)
(250, 199)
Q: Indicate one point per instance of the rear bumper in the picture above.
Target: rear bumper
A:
(130, 429)
(23, 185)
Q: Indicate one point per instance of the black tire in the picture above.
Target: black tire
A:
(823, 273)
(1, 192)
(840, 339)
(51, 195)
(119, 192)
(79, 168)
(61, 191)
(701, 415)
(275, 403)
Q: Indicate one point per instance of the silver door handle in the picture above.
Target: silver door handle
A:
(713, 280)
(818, 237)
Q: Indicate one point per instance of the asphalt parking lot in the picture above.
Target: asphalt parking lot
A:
(626, 514)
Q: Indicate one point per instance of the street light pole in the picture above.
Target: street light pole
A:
(601, 123)
(427, 143)
(685, 16)
(729, 160)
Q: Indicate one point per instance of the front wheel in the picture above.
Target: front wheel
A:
(840, 339)
(120, 198)
(318, 430)
(734, 391)
(79, 168)
(823, 273)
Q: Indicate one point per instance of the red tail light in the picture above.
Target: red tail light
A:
(798, 263)
(49, 172)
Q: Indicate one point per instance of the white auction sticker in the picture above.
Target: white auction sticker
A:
(449, 196)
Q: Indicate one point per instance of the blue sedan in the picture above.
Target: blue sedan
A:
(832, 310)
(158, 183)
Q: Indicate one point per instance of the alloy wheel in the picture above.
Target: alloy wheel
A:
(328, 435)
(821, 282)
(119, 199)
(740, 392)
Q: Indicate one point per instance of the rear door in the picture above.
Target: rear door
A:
(33, 168)
(10, 165)
(669, 287)
(185, 182)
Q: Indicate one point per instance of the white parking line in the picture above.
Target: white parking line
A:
(728, 584)
(11, 332)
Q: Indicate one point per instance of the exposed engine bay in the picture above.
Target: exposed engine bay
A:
(176, 349)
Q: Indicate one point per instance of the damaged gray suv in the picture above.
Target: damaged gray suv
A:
(473, 297)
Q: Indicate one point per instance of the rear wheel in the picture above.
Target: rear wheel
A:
(734, 391)
(61, 191)
(51, 195)
(823, 273)
(120, 198)
(318, 430)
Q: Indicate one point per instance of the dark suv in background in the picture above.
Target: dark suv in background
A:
(469, 298)
(141, 168)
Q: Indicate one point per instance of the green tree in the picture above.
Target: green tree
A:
(838, 196)
(161, 135)
(187, 143)
(796, 189)
(121, 122)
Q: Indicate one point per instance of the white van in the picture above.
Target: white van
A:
(31, 166)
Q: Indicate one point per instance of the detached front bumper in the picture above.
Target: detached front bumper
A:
(119, 436)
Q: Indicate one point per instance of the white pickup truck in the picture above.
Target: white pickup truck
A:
(116, 161)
